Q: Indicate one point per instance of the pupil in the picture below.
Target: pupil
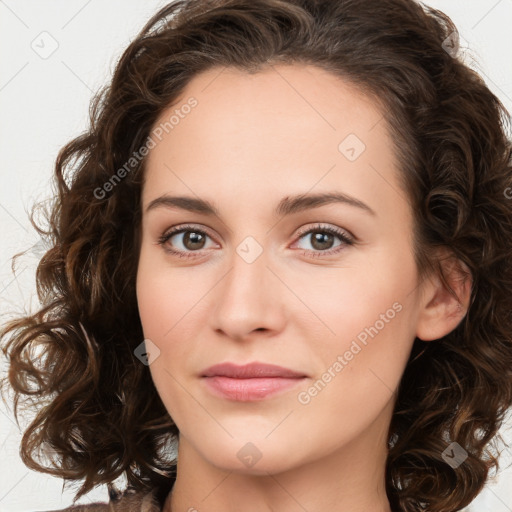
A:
(322, 239)
(194, 238)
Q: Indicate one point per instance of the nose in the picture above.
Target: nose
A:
(249, 299)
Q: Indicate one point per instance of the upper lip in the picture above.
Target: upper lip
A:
(251, 370)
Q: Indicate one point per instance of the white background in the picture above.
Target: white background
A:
(44, 103)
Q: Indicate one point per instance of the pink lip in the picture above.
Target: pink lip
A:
(250, 371)
(254, 381)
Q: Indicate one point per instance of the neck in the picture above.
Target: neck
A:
(351, 478)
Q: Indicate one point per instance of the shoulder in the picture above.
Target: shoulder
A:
(127, 502)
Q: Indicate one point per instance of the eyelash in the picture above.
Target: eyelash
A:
(162, 240)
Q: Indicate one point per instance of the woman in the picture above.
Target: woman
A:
(285, 252)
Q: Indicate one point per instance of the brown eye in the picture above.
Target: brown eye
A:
(193, 240)
(183, 241)
(322, 240)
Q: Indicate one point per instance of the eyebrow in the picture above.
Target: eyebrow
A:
(287, 206)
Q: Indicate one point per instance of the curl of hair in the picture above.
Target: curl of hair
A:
(99, 410)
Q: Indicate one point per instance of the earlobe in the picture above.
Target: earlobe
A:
(441, 312)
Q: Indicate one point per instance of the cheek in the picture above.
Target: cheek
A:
(167, 296)
(169, 303)
(347, 301)
(368, 324)
(160, 313)
(361, 367)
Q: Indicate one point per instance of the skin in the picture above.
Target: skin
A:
(251, 141)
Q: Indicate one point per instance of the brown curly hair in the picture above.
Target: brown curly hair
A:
(100, 413)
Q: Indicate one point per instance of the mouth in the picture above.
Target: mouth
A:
(251, 382)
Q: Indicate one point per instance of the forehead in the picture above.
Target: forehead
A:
(254, 132)
(307, 101)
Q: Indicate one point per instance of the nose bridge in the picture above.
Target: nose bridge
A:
(249, 272)
(247, 298)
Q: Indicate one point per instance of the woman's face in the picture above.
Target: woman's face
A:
(270, 278)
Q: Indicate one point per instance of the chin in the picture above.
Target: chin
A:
(251, 458)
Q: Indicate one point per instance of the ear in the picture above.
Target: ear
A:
(440, 313)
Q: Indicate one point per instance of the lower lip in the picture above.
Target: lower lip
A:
(247, 390)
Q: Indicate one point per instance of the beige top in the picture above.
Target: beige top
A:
(134, 502)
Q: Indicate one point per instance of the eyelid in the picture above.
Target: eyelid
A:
(180, 228)
(302, 231)
(345, 236)
(320, 226)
